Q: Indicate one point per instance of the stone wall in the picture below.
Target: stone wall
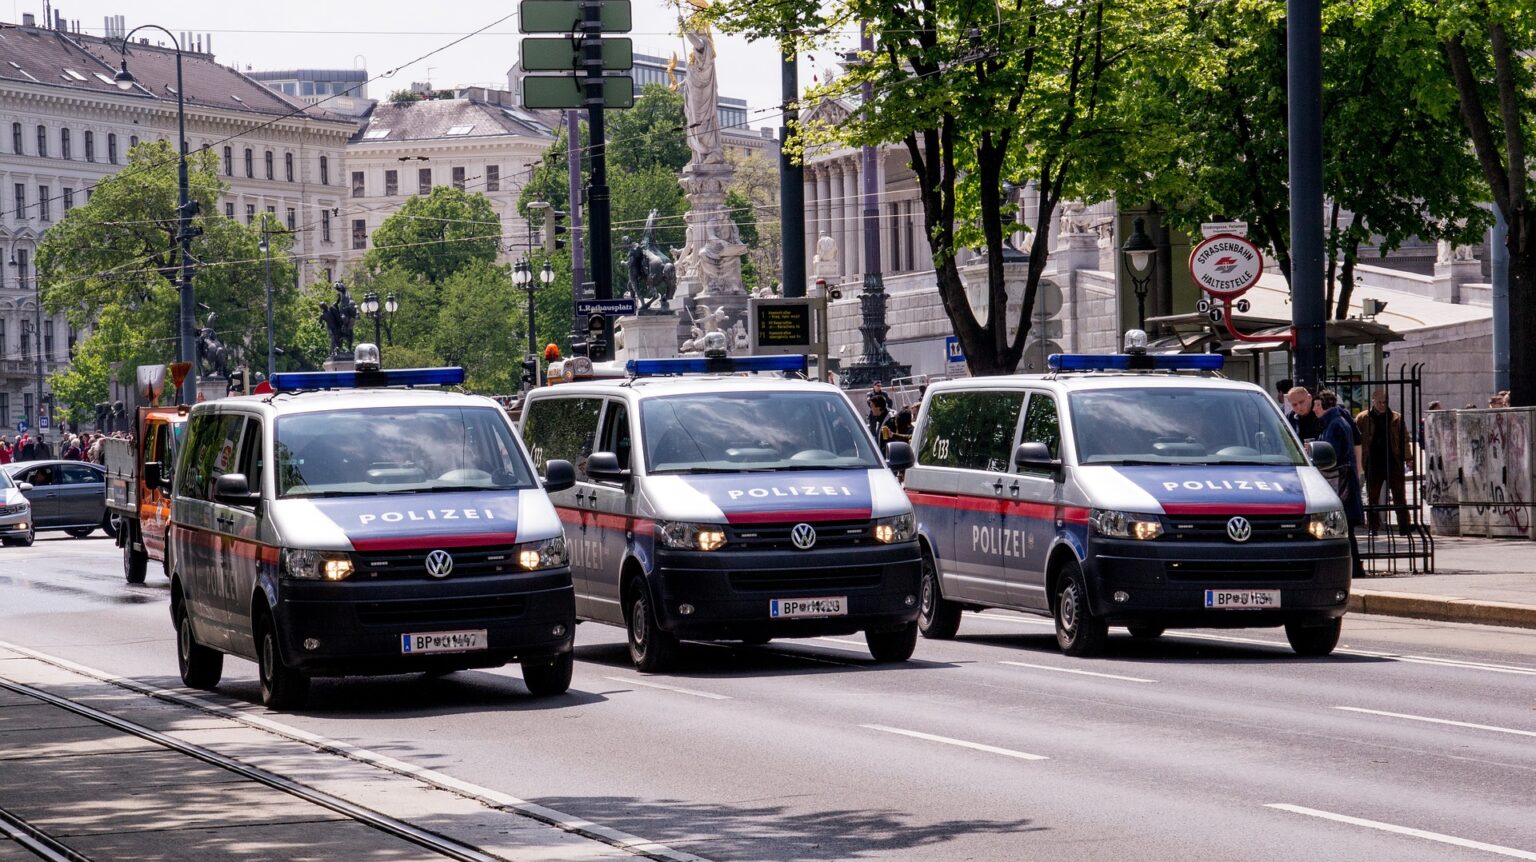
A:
(1479, 468)
(1458, 362)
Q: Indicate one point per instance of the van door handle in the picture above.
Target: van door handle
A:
(1014, 489)
(997, 487)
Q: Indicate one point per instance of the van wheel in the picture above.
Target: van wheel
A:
(200, 666)
(1078, 631)
(550, 677)
(135, 563)
(937, 617)
(282, 687)
(651, 649)
(1146, 632)
(1314, 640)
(109, 525)
(892, 646)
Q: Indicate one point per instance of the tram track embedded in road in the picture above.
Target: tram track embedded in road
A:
(29, 837)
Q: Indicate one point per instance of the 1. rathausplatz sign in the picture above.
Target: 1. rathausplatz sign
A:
(1226, 265)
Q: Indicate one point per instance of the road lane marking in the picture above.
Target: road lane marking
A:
(1028, 621)
(858, 645)
(977, 746)
(1406, 830)
(1423, 718)
(673, 688)
(1390, 656)
(1079, 672)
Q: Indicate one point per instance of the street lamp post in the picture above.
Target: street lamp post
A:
(522, 276)
(266, 274)
(381, 314)
(19, 260)
(1139, 252)
(185, 210)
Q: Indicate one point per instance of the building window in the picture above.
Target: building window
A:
(895, 210)
(325, 275)
(391, 183)
(271, 172)
(250, 213)
(325, 171)
(90, 146)
(359, 233)
(48, 340)
(250, 164)
(133, 141)
(74, 336)
(293, 222)
(357, 184)
(229, 161)
(64, 144)
(272, 211)
(229, 209)
(69, 198)
(42, 141)
(325, 229)
(288, 166)
(424, 181)
(2, 394)
(44, 204)
(16, 140)
(493, 178)
(26, 351)
(111, 148)
(21, 201)
(5, 398)
(458, 179)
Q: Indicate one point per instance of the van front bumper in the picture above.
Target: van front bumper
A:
(1164, 583)
(358, 627)
(730, 591)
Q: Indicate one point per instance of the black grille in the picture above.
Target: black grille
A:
(1240, 570)
(433, 612)
(1213, 528)
(784, 583)
(775, 537)
(412, 565)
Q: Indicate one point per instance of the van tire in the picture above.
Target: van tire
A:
(200, 666)
(892, 646)
(938, 618)
(135, 562)
(1078, 632)
(79, 532)
(651, 649)
(1146, 632)
(549, 678)
(1314, 641)
(282, 687)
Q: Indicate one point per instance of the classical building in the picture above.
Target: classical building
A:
(66, 126)
(340, 91)
(477, 142)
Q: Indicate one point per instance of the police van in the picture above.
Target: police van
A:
(351, 523)
(711, 505)
(1124, 490)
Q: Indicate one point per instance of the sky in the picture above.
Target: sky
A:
(385, 35)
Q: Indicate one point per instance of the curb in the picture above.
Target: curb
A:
(1442, 608)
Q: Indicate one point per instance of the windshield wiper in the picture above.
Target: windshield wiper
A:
(689, 470)
(314, 494)
(804, 467)
(448, 489)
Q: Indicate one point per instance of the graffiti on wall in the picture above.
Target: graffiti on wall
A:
(1494, 450)
(1442, 467)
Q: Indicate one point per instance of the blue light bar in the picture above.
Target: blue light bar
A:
(1137, 362)
(795, 362)
(295, 381)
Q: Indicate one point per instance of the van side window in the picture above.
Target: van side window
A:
(615, 436)
(563, 428)
(199, 437)
(214, 452)
(1042, 425)
(971, 430)
(252, 458)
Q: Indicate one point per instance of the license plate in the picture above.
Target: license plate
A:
(414, 644)
(1242, 599)
(836, 606)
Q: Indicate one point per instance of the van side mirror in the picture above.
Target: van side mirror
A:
(604, 467)
(1322, 454)
(1036, 456)
(233, 489)
(559, 475)
(898, 455)
(152, 474)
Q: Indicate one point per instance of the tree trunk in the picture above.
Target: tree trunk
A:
(1350, 254)
(1522, 307)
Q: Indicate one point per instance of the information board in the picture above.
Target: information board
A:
(782, 325)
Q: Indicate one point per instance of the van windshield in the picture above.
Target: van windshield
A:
(727, 432)
(397, 450)
(1180, 426)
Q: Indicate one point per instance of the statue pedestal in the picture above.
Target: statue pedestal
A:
(735, 305)
(711, 260)
(648, 336)
(340, 364)
(211, 388)
(1451, 275)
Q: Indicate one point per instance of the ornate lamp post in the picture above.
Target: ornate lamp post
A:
(381, 314)
(186, 209)
(522, 276)
(1139, 252)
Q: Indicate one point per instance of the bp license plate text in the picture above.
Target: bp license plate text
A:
(836, 606)
(421, 644)
(1242, 599)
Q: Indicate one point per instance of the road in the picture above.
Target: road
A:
(1416, 741)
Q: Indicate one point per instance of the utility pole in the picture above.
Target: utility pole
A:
(1305, 97)
(578, 259)
(602, 248)
(791, 176)
(266, 275)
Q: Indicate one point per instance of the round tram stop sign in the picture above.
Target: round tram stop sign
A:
(1226, 265)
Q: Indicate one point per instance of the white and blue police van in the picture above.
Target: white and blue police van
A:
(1126, 490)
(365, 522)
(717, 506)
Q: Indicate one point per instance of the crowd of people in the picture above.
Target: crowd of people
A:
(884, 424)
(70, 447)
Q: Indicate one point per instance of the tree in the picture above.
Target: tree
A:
(404, 97)
(479, 321)
(652, 133)
(437, 235)
(754, 203)
(635, 194)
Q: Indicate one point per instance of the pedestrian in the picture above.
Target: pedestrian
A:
(25, 449)
(875, 421)
(1385, 452)
(1339, 431)
(899, 426)
(71, 450)
(5, 450)
(877, 396)
(1303, 422)
(1283, 387)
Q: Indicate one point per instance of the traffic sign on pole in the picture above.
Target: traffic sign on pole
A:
(568, 91)
(564, 16)
(564, 54)
(21, 426)
(608, 307)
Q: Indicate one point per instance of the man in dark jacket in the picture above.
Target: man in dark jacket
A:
(1302, 418)
(1338, 431)
(1384, 451)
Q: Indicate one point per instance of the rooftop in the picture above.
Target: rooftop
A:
(442, 119)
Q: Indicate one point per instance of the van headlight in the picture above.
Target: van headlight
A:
(307, 565)
(900, 528)
(1328, 525)
(1125, 525)
(546, 554)
(689, 536)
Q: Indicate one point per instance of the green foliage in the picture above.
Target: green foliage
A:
(754, 202)
(635, 194)
(401, 97)
(650, 134)
(435, 236)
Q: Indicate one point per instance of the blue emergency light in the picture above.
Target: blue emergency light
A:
(1135, 362)
(296, 381)
(795, 362)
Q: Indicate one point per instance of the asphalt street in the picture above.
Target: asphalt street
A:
(1415, 741)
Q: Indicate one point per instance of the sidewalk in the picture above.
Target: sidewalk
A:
(1487, 581)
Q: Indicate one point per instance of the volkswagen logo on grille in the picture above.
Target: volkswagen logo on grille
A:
(804, 536)
(440, 563)
(1239, 530)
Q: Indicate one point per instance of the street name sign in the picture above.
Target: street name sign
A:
(1212, 228)
(608, 307)
(1226, 265)
(566, 91)
(564, 54)
(564, 16)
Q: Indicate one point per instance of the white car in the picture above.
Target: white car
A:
(15, 512)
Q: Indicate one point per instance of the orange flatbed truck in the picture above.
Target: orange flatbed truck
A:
(139, 475)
